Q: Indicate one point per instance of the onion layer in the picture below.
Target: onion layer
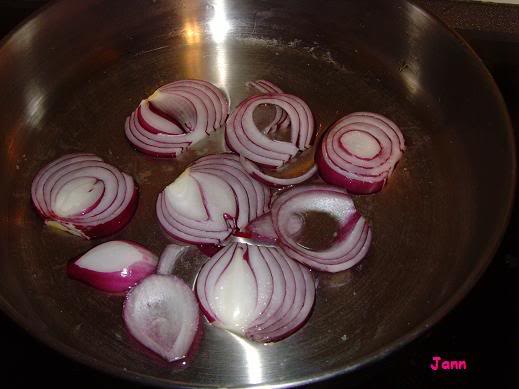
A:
(257, 292)
(244, 137)
(353, 236)
(276, 182)
(210, 200)
(162, 313)
(169, 257)
(256, 148)
(177, 115)
(113, 266)
(281, 120)
(260, 230)
(359, 152)
(81, 194)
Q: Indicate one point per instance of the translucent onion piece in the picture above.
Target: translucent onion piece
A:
(162, 313)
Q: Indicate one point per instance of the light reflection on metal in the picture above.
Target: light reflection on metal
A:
(193, 35)
(221, 65)
(411, 82)
(34, 104)
(193, 61)
(409, 70)
(253, 359)
(33, 93)
(192, 32)
(219, 26)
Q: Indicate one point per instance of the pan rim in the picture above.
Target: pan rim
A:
(356, 364)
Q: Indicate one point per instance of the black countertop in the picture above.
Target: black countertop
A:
(483, 329)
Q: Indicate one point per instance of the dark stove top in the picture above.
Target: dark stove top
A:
(483, 329)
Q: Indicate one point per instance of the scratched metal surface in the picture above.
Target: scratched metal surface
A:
(435, 226)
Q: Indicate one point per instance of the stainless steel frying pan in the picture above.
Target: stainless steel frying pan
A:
(71, 74)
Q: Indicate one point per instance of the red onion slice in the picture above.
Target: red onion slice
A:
(258, 194)
(243, 136)
(257, 292)
(162, 313)
(256, 148)
(353, 236)
(299, 311)
(210, 200)
(113, 266)
(260, 230)
(359, 152)
(81, 194)
(281, 120)
(176, 116)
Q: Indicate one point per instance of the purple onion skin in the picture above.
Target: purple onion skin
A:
(113, 282)
(153, 154)
(227, 143)
(351, 185)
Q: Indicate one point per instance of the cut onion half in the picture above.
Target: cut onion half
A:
(113, 266)
(210, 200)
(83, 195)
(256, 292)
(176, 116)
